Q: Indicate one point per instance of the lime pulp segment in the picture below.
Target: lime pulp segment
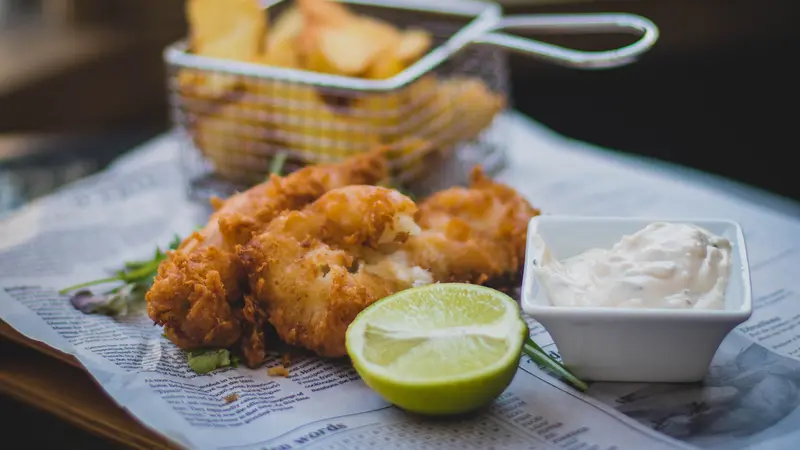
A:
(437, 334)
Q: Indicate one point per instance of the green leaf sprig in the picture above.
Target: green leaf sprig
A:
(205, 361)
(539, 356)
(136, 278)
(277, 163)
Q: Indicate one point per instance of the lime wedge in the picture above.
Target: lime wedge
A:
(439, 349)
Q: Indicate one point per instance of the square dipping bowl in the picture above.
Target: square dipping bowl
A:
(632, 344)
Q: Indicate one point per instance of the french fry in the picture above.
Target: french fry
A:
(470, 108)
(463, 107)
(282, 38)
(285, 29)
(325, 12)
(206, 86)
(251, 118)
(404, 112)
(339, 42)
(214, 135)
(231, 29)
(400, 50)
(386, 67)
(414, 43)
(342, 52)
(305, 122)
(383, 34)
(348, 50)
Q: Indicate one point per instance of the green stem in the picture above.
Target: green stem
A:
(133, 265)
(540, 357)
(89, 283)
(277, 163)
(143, 271)
(131, 276)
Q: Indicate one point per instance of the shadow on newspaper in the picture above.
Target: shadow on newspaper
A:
(746, 399)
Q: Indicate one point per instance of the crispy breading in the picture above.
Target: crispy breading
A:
(473, 235)
(308, 252)
(198, 293)
(317, 268)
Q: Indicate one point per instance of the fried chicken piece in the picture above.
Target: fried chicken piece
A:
(198, 294)
(317, 268)
(472, 235)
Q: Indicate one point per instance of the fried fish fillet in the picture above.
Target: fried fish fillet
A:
(315, 269)
(472, 235)
(198, 294)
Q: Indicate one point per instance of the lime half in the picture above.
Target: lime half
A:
(439, 349)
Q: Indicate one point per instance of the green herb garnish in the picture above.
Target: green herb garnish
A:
(136, 276)
(541, 357)
(277, 163)
(205, 361)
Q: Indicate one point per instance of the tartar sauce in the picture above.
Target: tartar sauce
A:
(664, 265)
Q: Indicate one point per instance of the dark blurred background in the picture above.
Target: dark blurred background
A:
(82, 81)
(716, 93)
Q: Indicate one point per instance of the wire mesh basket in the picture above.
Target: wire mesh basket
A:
(237, 118)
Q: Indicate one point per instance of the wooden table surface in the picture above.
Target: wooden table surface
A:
(48, 380)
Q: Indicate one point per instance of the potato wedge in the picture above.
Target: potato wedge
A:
(414, 43)
(231, 29)
(281, 40)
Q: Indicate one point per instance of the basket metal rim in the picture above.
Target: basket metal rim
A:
(485, 16)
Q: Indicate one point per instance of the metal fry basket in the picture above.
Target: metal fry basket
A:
(236, 118)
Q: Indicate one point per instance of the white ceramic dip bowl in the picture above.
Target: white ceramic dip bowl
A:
(632, 344)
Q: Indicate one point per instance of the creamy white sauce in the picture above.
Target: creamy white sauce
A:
(664, 265)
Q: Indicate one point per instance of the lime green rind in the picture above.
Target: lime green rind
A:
(454, 394)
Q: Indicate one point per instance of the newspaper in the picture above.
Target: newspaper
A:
(750, 398)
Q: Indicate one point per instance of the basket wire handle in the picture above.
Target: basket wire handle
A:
(574, 24)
